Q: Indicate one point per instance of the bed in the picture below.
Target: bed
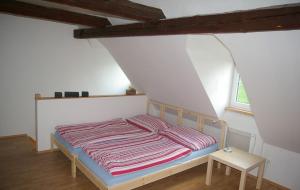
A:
(105, 181)
(70, 138)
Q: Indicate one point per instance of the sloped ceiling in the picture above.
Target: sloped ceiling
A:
(269, 64)
(181, 70)
(161, 67)
(183, 8)
(214, 66)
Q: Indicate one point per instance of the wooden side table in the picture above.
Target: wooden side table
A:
(239, 160)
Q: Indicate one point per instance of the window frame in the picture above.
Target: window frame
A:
(234, 93)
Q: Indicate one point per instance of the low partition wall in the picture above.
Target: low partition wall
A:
(51, 112)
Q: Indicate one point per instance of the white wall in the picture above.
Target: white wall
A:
(214, 65)
(161, 67)
(51, 113)
(168, 68)
(284, 166)
(42, 57)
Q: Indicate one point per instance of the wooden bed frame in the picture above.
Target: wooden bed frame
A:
(140, 181)
(71, 156)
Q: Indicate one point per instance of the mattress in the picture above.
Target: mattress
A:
(67, 145)
(110, 180)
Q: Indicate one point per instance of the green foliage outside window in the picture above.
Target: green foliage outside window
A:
(241, 93)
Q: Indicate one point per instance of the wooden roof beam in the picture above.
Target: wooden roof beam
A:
(267, 19)
(35, 11)
(119, 8)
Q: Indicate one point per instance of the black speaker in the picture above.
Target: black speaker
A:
(71, 94)
(57, 94)
(85, 94)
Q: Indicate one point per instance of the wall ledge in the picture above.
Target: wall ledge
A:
(39, 97)
(240, 111)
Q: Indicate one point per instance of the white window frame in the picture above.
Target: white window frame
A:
(234, 92)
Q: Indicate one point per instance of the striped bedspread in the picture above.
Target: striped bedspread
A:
(130, 155)
(189, 137)
(82, 134)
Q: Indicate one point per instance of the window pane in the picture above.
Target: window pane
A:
(241, 93)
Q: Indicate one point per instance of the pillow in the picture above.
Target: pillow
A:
(148, 122)
(189, 137)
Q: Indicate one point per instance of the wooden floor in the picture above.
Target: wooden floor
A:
(21, 168)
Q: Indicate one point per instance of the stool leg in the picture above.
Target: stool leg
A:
(243, 180)
(260, 174)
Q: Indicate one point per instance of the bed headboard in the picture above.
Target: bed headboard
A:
(202, 119)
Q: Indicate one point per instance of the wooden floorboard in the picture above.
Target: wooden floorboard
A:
(21, 168)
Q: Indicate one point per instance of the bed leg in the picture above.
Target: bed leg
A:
(73, 167)
(51, 143)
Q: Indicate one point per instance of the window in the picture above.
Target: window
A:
(239, 97)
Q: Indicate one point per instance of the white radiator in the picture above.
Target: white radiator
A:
(240, 139)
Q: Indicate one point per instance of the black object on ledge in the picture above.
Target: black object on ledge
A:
(85, 94)
(71, 94)
(57, 94)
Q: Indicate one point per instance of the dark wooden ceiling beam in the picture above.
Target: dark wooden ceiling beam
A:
(120, 8)
(268, 19)
(35, 11)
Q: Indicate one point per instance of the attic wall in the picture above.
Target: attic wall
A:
(269, 65)
(42, 57)
(214, 66)
(161, 67)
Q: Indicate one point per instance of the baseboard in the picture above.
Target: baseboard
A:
(33, 141)
(47, 151)
(270, 182)
(13, 136)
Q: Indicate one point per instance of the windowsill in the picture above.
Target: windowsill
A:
(239, 110)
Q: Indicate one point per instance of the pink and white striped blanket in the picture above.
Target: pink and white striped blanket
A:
(82, 134)
(189, 137)
(149, 122)
(130, 155)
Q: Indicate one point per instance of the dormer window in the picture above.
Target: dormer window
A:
(239, 98)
